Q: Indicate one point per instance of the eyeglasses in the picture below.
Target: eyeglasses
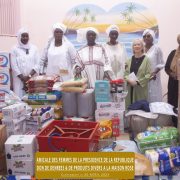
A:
(147, 36)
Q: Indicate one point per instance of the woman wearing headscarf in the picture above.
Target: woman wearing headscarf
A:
(92, 61)
(171, 70)
(59, 55)
(137, 74)
(24, 62)
(115, 51)
(155, 56)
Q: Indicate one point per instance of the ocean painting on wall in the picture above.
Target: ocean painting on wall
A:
(132, 19)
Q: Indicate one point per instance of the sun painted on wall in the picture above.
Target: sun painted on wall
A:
(132, 19)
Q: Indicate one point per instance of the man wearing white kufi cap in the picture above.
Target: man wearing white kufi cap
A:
(155, 56)
(59, 55)
(115, 51)
(92, 60)
(24, 62)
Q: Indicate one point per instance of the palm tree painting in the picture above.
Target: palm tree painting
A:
(81, 16)
(132, 19)
(133, 15)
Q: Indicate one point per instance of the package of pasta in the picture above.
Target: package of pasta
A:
(39, 89)
(80, 89)
(42, 81)
(74, 83)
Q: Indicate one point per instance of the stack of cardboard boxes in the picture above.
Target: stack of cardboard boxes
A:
(14, 117)
(110, 104)
(5, 71)
(20, 151)
(3, 137)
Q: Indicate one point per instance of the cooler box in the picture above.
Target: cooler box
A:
(69, 136)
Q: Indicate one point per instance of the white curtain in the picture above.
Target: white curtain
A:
(9, 17)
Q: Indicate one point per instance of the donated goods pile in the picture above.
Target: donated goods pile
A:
(110, 110)
(47, 119)
(45, 102)
(14, 117)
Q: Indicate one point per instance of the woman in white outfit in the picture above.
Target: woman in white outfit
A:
(24, 62)
(59, 55)
(155, 56)
(92, 62)
(115, 51)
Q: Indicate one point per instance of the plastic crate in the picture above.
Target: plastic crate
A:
(69, 136)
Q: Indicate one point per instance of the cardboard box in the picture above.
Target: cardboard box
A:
(20, 167)
(3, 137)
(14, 111)
(48, 115)
(4, 90)
(21, 147)
(4, 60)
(14, 123)
(2, 96)
(2, 163)
(12, 132)
(5, 79)
(110, 114)
(111, 105)
(15, 127)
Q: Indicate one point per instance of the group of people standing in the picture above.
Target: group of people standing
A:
(97, 62)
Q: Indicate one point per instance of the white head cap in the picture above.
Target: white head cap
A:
(151, 32)
(81, 33)
(112, 27)
(59, 26)
(20, 44)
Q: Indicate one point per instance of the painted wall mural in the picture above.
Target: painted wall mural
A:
(132, 19)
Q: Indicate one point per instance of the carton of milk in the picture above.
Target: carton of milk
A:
(20, 147)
